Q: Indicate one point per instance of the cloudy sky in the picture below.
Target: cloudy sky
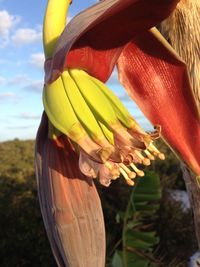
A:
(21, 67)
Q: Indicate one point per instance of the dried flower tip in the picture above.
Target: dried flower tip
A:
(153, 152)
(131, 174)
(149, 155)
(139, 172)
(145, 161)
(114, 170)
(125, 175)
(156, 152)
(130, 182)
(161, 156)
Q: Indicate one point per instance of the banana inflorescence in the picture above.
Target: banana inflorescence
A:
(110, 142)
(107, 138)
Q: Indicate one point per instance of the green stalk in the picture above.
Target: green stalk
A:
(54, 24)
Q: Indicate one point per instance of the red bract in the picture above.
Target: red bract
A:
(69, 203)
(94, 39)
(158, 82)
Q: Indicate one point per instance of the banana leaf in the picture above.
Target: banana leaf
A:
(139, 238)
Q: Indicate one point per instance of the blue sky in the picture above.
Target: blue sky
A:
(21, 67)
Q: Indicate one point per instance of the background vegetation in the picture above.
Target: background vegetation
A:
(22, 235)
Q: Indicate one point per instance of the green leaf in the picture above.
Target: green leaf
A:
(149, 237)
(132, 224)
(146, 197)
(143, 202)
(148, 185)
(136, 260)
(117, 260)
(146, 207)
(138, 240)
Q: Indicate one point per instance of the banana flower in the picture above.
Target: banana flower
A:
(86, 132)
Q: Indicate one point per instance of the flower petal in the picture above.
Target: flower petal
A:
(69, 202)
(87, 166)
(157, 79)
(97, 35)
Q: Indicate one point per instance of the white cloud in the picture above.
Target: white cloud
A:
(20, 127)
(18, 80)
(23, 82)
(29, 116)
(37, 60)
(27, 36)
(2, 80)
(35, 86)
(7, 22)
(7, 96)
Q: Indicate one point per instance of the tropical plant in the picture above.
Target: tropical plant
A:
(73, 146)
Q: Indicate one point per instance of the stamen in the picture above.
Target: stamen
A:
(154, 148)
(156, 152)
(153, 151)
(131, 174)
(161, 156)
(139, 172)
(145, 161)
(149, 155)
(128, 180)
